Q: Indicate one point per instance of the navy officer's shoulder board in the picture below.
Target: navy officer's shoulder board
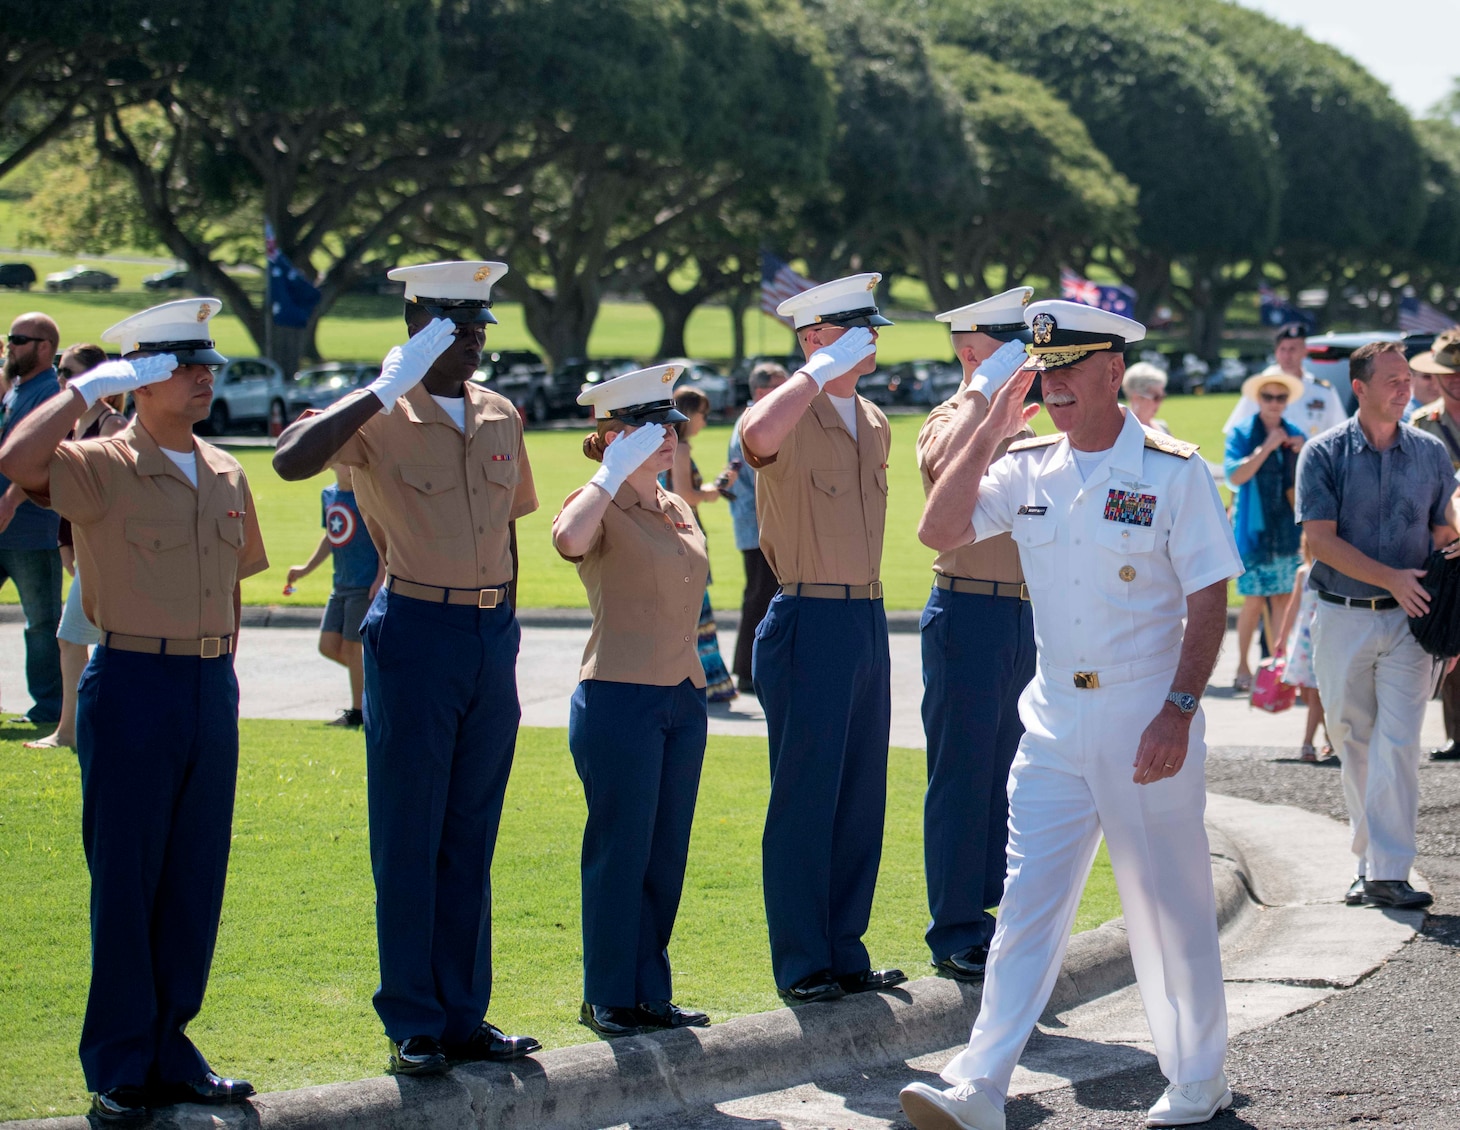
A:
(1035, 442)
(1159, 441)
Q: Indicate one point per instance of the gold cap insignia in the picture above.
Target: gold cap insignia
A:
(872, 285)
(203, 312)
(1043, 326)
(1025, 297)
(481, 275)
(669, 375)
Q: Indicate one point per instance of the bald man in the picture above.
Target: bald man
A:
(29, 553)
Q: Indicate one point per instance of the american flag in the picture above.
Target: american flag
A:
(778, 283)
(1418, 316)
(1117, 299)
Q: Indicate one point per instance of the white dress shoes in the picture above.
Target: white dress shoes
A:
(1185, 1104)
(958, 1108)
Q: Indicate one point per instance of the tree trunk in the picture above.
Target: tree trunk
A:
(560, 323)
(737, 303)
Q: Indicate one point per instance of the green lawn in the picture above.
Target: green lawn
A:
(289, 1001)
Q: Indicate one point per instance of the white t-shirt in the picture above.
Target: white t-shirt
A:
(1087, 461)
(846, 408)
(186, 462)
(455, 407)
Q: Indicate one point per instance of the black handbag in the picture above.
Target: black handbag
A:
(1438, 630)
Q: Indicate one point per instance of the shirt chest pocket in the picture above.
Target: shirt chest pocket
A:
(1124, 557)
(159, 563)
(430, 499)
(502, 478)
(1035, 536)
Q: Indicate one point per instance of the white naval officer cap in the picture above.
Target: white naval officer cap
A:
(1061, 332)
(841, 302)
(460, 291)
(1001, 316)
(645, 396)
(180, 328)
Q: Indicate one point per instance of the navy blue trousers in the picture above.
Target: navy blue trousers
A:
(441, 716)
(638, 750)
(157, 738)
(823, 674)
(978, 656)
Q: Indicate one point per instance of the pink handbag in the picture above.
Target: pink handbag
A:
(1269, 692)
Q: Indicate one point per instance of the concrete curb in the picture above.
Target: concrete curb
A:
(307, 616)
(605, 1084)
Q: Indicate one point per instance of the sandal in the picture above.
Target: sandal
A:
(1242, 684)
(1309, 755)
(1327, 751)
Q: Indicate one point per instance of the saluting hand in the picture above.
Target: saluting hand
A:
(405, 365)
(113, 377)
(996, 369)
(624, 453)
(1007, 412)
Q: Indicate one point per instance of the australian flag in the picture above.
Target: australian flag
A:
(1117, 299)
(292, 297)
(1274, 310)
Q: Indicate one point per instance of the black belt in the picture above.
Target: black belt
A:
(982, 588)
(1369, 603)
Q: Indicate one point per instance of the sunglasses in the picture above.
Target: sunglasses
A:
(24, 339)
(1274, 397)
(63, 371)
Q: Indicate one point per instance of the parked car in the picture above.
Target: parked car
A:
(924, 383)
(517, 374)
(248, 391)
(1328, 356)
(558, 394)
(174, 278)
(17, 276)
(81, 278)
(708, 379)
(319, 386)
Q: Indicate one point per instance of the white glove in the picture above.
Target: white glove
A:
(405, 365)
(626, 454)
(997, 368)
(840, 357)
(112, 377)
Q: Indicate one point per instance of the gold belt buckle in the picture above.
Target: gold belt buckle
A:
(1087, 680)
(210, 647)
(874, 590)
(488, 598)
(1023, 591)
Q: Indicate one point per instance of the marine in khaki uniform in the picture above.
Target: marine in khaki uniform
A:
(978, 655)
(821, 664)
(1442, 420)
(440, 468)
(637, 724)
(164, 530)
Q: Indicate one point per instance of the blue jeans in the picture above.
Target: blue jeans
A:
(37, 577)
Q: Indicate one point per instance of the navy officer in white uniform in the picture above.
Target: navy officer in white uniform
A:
(1122, 537)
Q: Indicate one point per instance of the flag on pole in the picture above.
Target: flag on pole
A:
(1275, 310)
(1117, 299)
(778, 283)
(292, 297)
(1418, 316)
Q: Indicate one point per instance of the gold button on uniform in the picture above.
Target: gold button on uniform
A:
(1127, 573)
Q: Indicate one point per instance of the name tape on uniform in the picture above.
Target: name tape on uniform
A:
(1033, 511)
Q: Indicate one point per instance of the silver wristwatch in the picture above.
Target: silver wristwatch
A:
(1185, 702)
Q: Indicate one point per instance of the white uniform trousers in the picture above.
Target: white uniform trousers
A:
(1374, 679)
(1072, 779)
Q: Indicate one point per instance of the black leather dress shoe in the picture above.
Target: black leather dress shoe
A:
(1450, 751)
(489, 1043)
(871, 980)
(1354, 896)
(611, 1021)
(1395, 893)
(966, 965)
(417, 1055)
(209, 1088)
(667, 1014)
(809, 990)
(120, 1104)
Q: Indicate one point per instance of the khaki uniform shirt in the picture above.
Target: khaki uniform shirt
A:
(441, 499)
(822, 498)
(994, 559)
(156, 557)
(1433, 418)
(645, 571)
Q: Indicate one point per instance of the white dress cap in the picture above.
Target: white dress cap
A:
(645, 396)
(461, 291)
(1061, 332)
(841, 302)
(181, 328)
(1001, 314)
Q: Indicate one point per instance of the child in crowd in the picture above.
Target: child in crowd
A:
(358, 574)
(1297, 646)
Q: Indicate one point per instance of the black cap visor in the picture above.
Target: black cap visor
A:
(1006, 331)
(462, 311)
(198, 352)
(659, 412)
(867, 316)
